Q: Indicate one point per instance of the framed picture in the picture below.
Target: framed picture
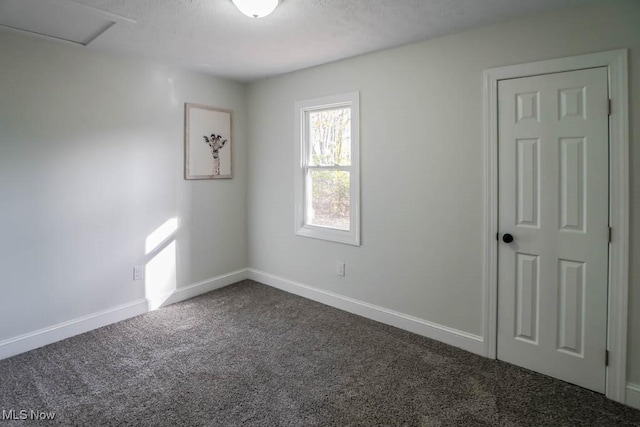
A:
(207, 142)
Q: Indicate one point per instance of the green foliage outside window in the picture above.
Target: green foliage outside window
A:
(330, 137)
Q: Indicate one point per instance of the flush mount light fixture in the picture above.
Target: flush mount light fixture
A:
(256, 8)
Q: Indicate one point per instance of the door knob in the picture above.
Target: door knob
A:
(507, 238)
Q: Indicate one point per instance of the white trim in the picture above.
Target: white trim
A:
(616, 62)
(633, 395)
(619, 221)
(32, 340)
(352, 236)
(490, 285)
(454, 337)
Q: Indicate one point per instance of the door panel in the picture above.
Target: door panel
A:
(528, 188)
(527, 285)
(554, 197)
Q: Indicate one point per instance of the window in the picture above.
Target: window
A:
(327, 168)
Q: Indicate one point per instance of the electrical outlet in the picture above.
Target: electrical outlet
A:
(340, 269)
(138, 272)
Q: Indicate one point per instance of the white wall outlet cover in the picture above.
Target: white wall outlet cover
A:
(138, 272)
(341, 269)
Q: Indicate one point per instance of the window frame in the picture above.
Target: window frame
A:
(302, 168)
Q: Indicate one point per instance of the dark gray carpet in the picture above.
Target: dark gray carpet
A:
(252, 355)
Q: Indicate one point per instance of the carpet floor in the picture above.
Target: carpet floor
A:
(252, 355)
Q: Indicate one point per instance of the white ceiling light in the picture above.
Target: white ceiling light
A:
(256, 8)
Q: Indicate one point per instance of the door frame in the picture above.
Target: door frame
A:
(616, 62)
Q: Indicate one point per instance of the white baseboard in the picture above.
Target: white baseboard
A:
(32, 340)
(29, 341)
(454, 337)
(633, 395)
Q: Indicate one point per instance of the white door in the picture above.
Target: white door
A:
(554, 202)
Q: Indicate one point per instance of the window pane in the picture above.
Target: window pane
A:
(330, 203)
(330, 137)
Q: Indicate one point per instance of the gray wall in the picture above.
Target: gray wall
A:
(91, 152)
(422, 167)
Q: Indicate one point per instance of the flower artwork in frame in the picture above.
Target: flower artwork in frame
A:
(207, 142)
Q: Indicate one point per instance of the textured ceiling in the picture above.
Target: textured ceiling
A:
(214, 37)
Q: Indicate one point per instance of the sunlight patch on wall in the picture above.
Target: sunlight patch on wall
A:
(161, 234)
(161, 276)
(160, 270)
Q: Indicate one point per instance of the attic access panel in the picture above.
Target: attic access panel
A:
(59, 19)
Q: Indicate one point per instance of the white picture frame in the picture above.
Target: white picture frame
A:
(207, 142)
